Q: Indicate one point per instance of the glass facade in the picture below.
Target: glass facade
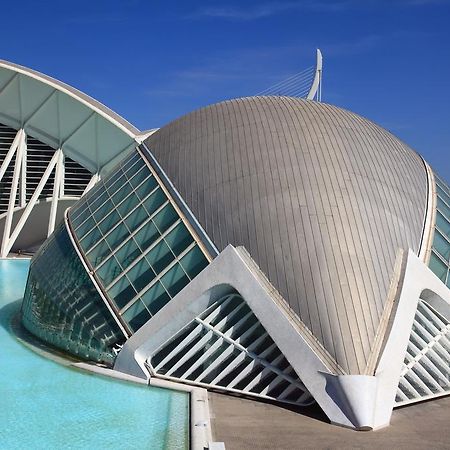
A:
(62, 306)
(440, 253)
(139, 249)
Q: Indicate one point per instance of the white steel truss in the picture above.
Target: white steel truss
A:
(227, 348)
(32, 172)
(426, 368)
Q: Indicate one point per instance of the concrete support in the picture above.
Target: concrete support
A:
(59, 180)
(5, 247)
(8, 240)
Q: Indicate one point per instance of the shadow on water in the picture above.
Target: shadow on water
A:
(8, 312)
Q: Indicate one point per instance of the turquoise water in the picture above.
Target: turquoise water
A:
(44, 405)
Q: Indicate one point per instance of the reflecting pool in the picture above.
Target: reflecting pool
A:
(45, 405)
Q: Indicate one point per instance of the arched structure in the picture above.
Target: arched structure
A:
(273, 247)
(55, 142)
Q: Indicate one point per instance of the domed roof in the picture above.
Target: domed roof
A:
(320, 197)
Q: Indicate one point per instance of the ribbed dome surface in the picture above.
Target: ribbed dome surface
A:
(321, 198)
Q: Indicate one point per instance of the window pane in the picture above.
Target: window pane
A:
(146, 236)
(194, 262)
(128, 253)
(174, 280)
(108, 223)
(438, 267)
(133, 165)
(128, 205)
(122, 191)
(98, 200)
(85, 228)
(145, 188)
(109, 270)
(99, 253)
(442, 224)
(441, 245)
(155, 200)
(90, 239)
(165, 218)
(137, 315)
(160, 256)
(111, 180)
(103, 210)
(122, 292)
(179, 239)
(443, 195)
(139, 177)
(136, 218)
(155, 298)
(117, 236)
(80, 218)
(141, 275)
(445, 210)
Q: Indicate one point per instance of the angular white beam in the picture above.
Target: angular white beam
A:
(56, 191)
(23, 173)
(8, 242)
(316, 87)
(5, 247)
(10, 154)
(95, 178)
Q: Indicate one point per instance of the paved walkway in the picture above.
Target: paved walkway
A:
(246, 424)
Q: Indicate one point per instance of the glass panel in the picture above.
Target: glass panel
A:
(99, 253)
(133, 164)
(155, 298)
(441, 245)
(108, 223)
(91, 239)
(117, 236)
(103, 210)
(128, 205)
(144, 189)
(174, 280)
(146, 236)
(443, 224)
(84, 214)
(112, 178)
(179, 239)
(122, 292)
(141, 274)
(137, 179)
(441, 193)
(122, 191)
(109, 270)
(128, 253)
(85, 227)
(136, 218)
(194, 262)
(438, 267)
(165, 218)
(160, 256)
(136, 315)
(155, 201)
(98, 200)
(445, 210)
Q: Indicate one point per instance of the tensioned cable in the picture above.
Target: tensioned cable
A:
(292, 79)
(297, 85)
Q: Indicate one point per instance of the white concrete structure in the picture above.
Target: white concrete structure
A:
(55, 142)
(272, 247)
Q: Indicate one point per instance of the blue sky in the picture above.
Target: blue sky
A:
(152, 61)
